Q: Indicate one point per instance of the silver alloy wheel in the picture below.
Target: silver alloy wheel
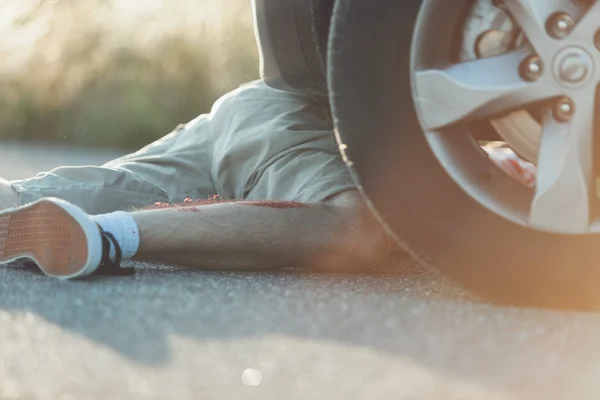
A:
(449, 98)
(490, 31)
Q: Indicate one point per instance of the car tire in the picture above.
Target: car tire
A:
(423, 208)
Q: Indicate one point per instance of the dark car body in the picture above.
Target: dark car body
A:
(292, 37)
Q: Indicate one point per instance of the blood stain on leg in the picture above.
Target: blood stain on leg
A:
(275, 204)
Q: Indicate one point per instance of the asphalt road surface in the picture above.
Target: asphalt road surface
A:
(171, 333)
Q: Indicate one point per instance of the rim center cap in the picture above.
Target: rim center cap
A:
(573, 66)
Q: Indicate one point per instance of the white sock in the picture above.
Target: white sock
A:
(125, 230)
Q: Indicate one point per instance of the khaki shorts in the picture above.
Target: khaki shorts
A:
(257, 143)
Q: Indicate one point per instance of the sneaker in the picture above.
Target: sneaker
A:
(60, 238)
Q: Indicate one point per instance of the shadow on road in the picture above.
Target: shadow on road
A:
(136, 315)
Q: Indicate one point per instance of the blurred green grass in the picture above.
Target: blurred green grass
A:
(118, 73)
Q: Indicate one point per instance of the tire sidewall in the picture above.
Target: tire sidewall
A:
(426, 211)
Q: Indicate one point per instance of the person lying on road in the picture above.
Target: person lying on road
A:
(257, 183)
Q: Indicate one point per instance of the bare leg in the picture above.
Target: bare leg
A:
(335, 235)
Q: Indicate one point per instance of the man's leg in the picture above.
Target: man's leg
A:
(335, 235)
(272, 146)
(169, 170)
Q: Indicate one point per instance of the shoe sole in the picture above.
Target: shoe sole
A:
(58, 236)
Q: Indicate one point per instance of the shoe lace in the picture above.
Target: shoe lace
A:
(108, 266)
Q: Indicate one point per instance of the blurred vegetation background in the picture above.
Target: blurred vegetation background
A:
(117, 73)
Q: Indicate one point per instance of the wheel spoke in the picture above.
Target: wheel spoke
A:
(530, 16)
(561, 202)
(588, 24)
(477, 89)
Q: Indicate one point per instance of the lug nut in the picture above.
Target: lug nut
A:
(564, 109)
(532, 68)
(560, 25)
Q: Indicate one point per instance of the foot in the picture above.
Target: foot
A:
(59, 237)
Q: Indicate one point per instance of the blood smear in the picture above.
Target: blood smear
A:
(521, 170)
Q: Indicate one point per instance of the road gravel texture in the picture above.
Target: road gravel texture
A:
(173, 333)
